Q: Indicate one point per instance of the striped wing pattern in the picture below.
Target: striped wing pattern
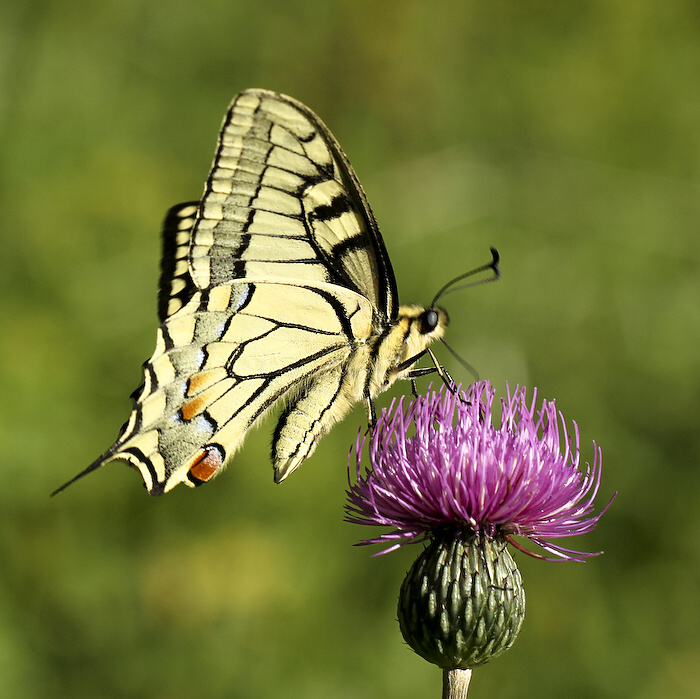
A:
(176, 286)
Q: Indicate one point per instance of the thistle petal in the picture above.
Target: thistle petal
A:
(439, 462)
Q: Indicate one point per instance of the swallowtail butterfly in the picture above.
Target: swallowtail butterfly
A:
(275, 287)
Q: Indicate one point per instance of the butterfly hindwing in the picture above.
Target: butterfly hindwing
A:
(176, 286)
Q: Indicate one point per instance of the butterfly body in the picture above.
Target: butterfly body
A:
(275, 286)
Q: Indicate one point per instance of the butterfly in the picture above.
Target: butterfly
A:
(275, 287)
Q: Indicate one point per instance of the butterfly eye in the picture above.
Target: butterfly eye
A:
(428, 321)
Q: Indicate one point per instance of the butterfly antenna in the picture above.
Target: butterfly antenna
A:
(449, 287)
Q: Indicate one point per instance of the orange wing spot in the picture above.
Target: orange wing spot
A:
(198, 382)
(192, 408)
(206, 464)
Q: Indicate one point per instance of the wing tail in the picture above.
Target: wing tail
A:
(101, 461)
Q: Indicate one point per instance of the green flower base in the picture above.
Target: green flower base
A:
(462, 602)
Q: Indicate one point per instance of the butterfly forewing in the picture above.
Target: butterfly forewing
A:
(283, 201)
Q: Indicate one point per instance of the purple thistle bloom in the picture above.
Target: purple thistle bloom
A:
(459, 471)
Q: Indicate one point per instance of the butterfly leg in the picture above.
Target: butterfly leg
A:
(415, 374)
(442, 372)
(437, 368)
(444, 375)
(371, 412)
(422, 371)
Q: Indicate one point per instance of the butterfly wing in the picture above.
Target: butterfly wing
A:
(176, 287)
(222, 361)
(282, 201)
(287, 279)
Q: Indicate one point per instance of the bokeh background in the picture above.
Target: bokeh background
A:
(565, 134)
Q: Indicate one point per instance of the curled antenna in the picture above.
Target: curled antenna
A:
(449, 288)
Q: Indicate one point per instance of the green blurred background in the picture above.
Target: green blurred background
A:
(565, 134)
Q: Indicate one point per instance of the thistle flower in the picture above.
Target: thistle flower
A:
(460, 472)
(468, 488)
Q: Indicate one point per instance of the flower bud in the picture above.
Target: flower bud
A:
(462, 602)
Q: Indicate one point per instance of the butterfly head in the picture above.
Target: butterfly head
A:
(422, 326)
(433, 318)
(414, 330)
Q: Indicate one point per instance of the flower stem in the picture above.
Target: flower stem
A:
(455, 683)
